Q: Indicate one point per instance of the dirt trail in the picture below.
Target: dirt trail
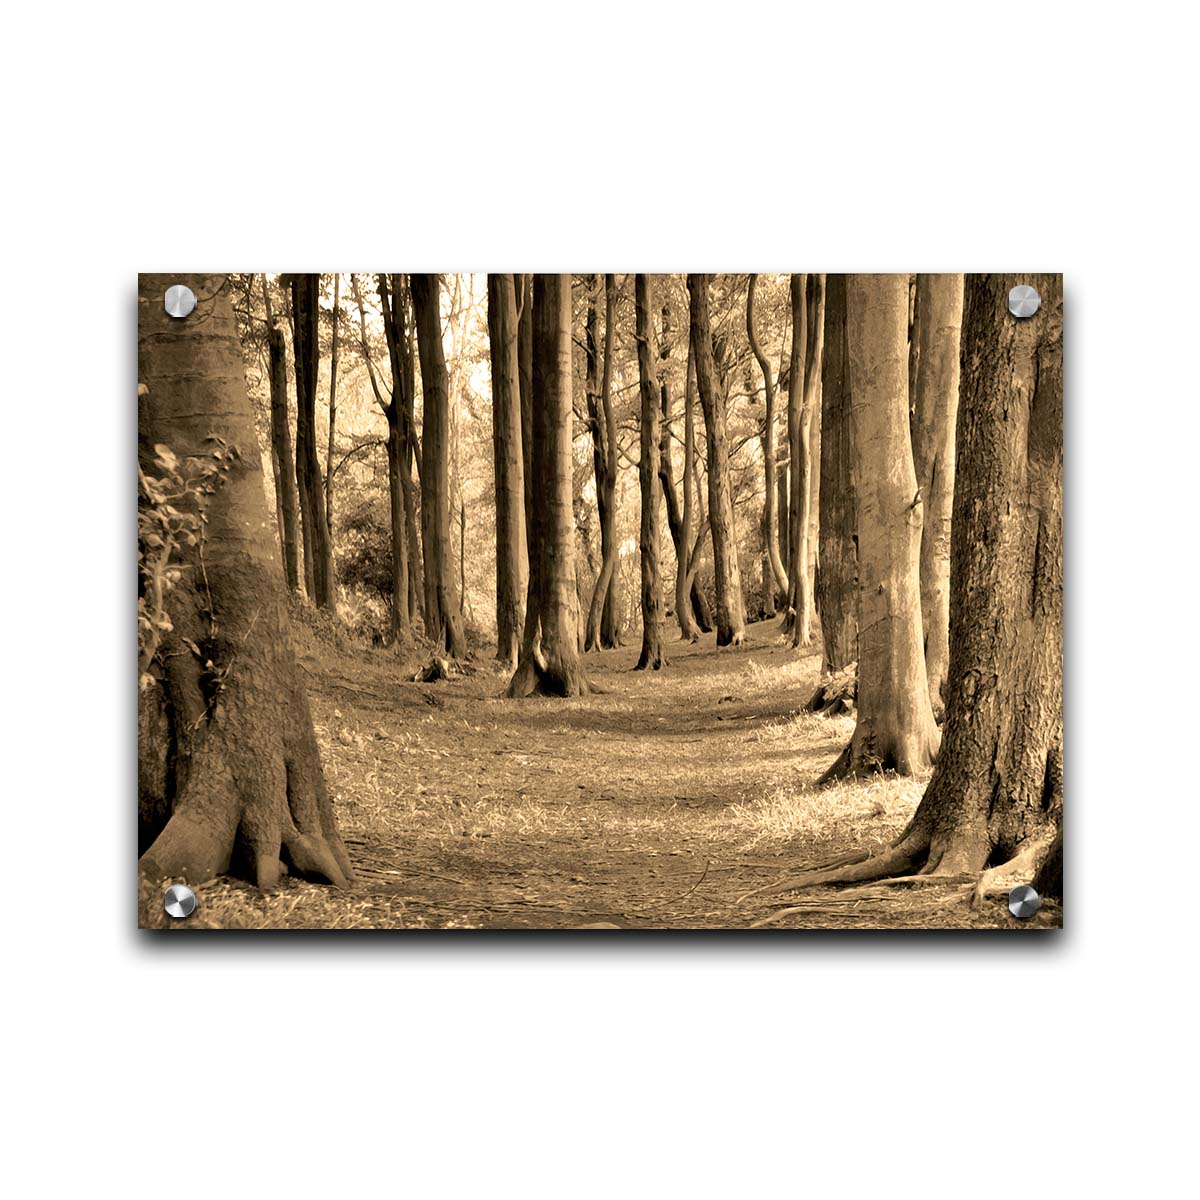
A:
(656, 804)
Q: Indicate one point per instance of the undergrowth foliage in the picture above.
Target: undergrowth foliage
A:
(171, 518)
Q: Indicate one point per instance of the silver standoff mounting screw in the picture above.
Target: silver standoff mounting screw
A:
(179, 301)
(179, 900)
(1023, 902)
(1023, 301)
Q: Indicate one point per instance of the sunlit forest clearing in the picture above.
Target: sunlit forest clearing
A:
(600, 601)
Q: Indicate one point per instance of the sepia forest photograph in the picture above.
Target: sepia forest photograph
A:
(600, 601)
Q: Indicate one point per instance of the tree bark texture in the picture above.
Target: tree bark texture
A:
(554, 668)
(318, 549)
(652, 640)
(604, 616)
(443, 618)
(934, 406)
(229, 770)
(837, 581)
(770, 516)
(512, 564)
(731, 613)
(996, 796)
(281, 456)
(895, 729)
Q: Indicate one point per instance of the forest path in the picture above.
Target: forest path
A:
(657, 803)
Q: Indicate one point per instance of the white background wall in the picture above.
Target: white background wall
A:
(661, 137)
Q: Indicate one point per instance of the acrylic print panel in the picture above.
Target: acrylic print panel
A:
(600, 601)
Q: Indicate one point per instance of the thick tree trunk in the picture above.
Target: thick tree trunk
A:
(556, 668)
(443, 618)
(229, 770)
(281, 456)
(512, 565)
(333, 368)
(731, 613)
(996, 795)
(604, 623)
(934, 406)
(895, 728)
(778, 572)
(837, 581)
(652, 641)
(318, 550)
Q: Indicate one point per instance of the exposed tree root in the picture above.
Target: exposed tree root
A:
(893, 867)
(1022, 867)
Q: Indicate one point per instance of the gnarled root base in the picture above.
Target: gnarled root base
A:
(232, 769)
(864, 755)
(534, 677)
(913, 859)
(651, 660)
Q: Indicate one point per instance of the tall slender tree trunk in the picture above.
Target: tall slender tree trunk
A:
(934, 407)
(837, 582)
(412, 449)
(333, 368)
(652, 642)
(679, 523)
(603, 625)
(691, 498)
(229, 769)
(524, 288)
(443, 618)
(996, 796)
(778, 573)
(555, 668)
(512, 564)
(403, 560)
(895, 729)
(731, 613)
(808, 335)
(306, 352)
(281, 448)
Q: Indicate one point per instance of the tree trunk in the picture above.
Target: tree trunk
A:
(411, 449)
(934, 407)
(679, 523)
(305, 350)
(281, 449)
(524, 286)
(443, 619)
(895, 728)
(400, 621)
(837, 581)
(333, 366)
(555, 669)
(229, 770)
(778, 573)
(808, 337)
(691, 498)
(731, 613)
(996, 795)
(652, 641)
(512, 565)
(603, 625)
